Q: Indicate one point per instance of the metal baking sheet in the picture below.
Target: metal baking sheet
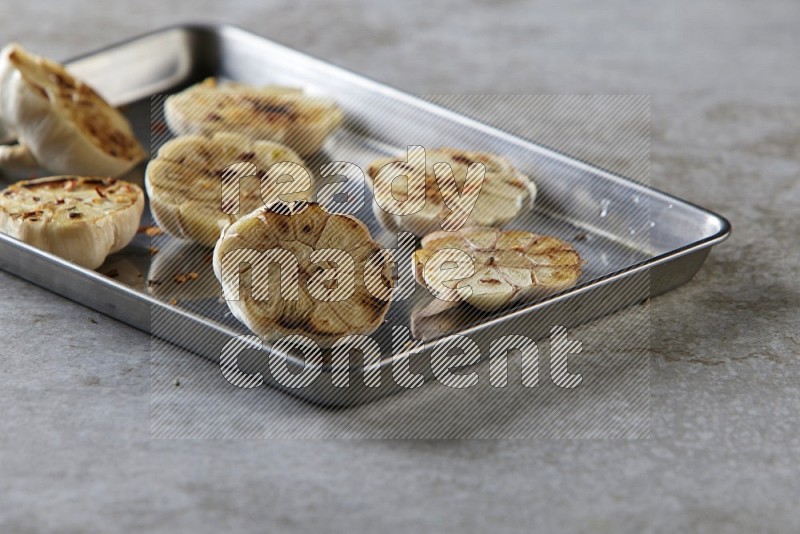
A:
(620, 270)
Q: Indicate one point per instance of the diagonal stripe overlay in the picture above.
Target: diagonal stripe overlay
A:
(559, 372)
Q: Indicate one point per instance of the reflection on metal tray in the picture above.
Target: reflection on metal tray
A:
(623, 265)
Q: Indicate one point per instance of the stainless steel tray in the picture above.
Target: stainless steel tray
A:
(623, 267)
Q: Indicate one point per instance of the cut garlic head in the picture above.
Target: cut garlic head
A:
(185, 182)
(59, 122)
(273, 113)
(504, 193)
(80, 219)
(507, 266)
(300, 270)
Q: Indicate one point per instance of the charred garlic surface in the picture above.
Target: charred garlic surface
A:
(300, 270)
(274, 113)
(184, 182)
(491, 268)
(80, 219)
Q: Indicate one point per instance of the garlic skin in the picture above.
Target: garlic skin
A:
(505, 193)
(184, 182)
(80, 219)
(510, 266)
(302, 229)
(273, 113)
(59, 122)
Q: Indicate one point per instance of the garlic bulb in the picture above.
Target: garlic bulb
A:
(83, 220)
(59, 122)
(322, 308)
(503, 195)
(507, 266)
(184, 182)
(273, 113)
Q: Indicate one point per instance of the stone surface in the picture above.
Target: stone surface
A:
(75, 447)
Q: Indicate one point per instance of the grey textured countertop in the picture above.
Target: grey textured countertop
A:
(75, 447)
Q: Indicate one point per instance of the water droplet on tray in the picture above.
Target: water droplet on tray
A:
(604, 205)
